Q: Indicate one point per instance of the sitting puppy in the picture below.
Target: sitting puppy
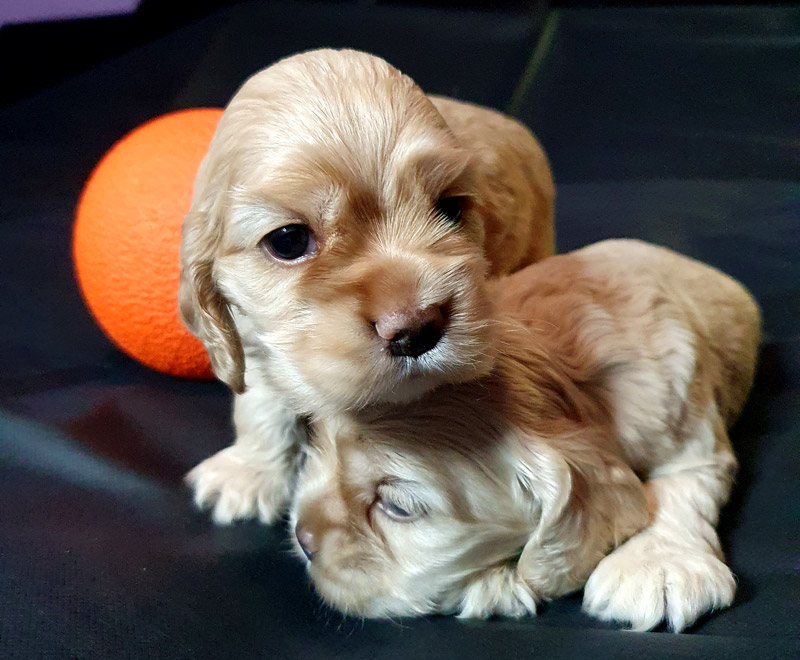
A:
(341, 228)
(602, 425)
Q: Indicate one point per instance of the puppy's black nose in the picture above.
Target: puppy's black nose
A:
(411, 333)
(306, 540)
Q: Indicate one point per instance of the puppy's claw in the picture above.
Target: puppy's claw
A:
(235, 486)
(647, 581)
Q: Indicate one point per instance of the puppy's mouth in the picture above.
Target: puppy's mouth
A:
(433, 365)
(416, 368)
(353, 591)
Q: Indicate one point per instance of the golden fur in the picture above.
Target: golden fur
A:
(594, 453)
(346, 145)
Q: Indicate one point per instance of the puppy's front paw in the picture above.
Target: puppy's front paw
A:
(237, 484)
(649, 580)
(497, 592)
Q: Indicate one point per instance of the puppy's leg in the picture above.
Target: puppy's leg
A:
(254, 476)
(673, 571)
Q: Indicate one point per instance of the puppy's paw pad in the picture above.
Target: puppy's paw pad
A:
(235, 486)
(647, 581)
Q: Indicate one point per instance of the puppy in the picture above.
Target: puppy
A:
(341, 228)
(602, 425)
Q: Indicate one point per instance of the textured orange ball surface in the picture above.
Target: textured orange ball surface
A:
(127, 239)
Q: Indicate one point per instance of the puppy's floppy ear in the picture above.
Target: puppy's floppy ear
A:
(203, 308)
(546, 478)
(587, 505)
(542, 492)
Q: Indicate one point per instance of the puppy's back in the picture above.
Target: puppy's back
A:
(626, 297)
(724, 316)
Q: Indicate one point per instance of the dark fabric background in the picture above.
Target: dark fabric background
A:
(676, 125)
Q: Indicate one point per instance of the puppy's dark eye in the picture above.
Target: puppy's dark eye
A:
(290, 243)
(450, 208)
(394, 511)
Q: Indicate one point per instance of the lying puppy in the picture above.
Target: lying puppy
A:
(617, 370)
(334, 252)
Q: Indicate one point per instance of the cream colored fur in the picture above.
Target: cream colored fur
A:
(345, 144)
(594, 454)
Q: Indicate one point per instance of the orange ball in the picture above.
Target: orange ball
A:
(127, 239)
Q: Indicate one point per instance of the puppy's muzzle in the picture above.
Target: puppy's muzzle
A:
(410, 333)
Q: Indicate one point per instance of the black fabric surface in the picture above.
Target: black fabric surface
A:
(670, 125)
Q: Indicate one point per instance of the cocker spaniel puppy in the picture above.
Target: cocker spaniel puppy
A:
(340, 231)
(594, 454)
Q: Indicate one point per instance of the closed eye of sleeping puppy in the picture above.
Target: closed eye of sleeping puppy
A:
(595, 454)
(341, 227)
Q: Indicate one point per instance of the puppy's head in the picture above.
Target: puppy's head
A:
(403, 519)
(333, 238)
(392, 525)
